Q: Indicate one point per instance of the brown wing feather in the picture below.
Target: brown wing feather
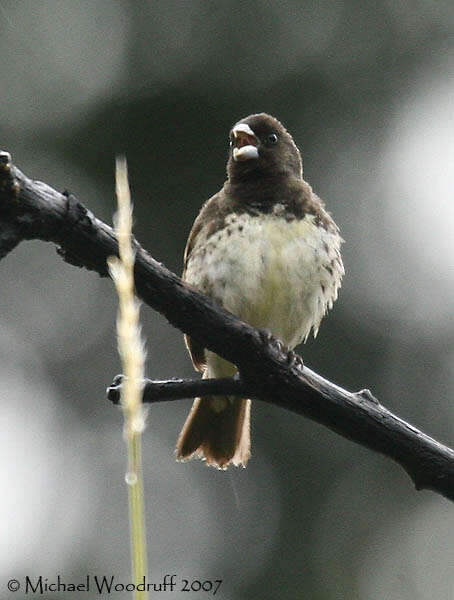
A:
(212, 213)
(197, 353)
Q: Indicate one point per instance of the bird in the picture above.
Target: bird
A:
(265, 249)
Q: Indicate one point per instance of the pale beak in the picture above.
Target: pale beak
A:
(245, 143)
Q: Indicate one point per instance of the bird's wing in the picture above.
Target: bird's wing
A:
(208, 216)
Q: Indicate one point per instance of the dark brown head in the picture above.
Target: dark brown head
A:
(261, 146)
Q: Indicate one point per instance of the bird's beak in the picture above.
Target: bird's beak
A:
(245, 143)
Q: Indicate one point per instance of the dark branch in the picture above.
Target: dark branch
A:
(268, 370)
(177, 389)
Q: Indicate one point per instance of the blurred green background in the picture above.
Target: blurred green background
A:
(367, 90)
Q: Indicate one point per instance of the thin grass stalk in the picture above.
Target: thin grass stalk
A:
(132, 354)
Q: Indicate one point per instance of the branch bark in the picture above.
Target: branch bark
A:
(268, 371)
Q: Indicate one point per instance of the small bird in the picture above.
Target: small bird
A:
(265, 249)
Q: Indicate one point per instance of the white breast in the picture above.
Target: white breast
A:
(275, 274)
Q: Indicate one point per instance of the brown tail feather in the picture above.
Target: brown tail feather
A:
(217, 430)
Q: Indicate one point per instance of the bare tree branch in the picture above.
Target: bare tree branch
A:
(176, 389)
(268, 371)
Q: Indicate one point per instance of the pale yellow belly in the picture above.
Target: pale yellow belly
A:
(271, 273)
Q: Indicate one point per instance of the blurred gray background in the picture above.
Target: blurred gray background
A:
(367, 90)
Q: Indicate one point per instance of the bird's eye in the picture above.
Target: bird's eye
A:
(271, 139)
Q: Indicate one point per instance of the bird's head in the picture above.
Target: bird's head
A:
(261, 146)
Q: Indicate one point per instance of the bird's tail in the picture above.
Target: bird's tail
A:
(217, 430)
